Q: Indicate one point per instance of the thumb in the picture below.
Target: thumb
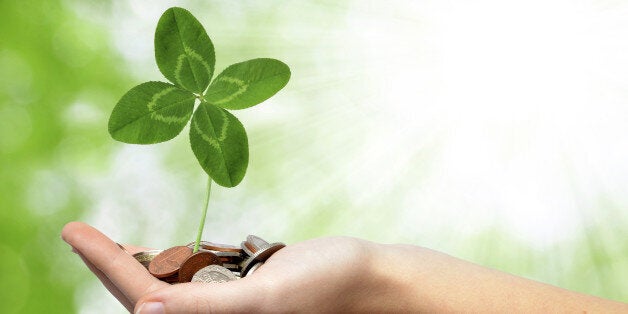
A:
(242, 295)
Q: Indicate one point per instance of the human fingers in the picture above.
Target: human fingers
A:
(124, 272)
(245, 295)
(130, 249)
(108, 284)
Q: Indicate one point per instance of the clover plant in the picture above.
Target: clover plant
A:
(155, 112)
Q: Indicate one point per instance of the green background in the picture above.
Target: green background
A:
(384, 132)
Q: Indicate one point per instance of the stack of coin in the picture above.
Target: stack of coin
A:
(212, 263)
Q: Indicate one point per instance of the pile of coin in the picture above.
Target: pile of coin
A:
(212, 263)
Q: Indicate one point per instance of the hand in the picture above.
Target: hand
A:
(322, 275)
(331, 275)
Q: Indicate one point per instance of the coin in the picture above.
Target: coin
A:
(178, 264)
(146, 256)
(260, 256)
(255, 242)
(225, 256)
(248, 248)
(229, 257)
(265, 252)
(195, 262)
(168, 262)
(214, 274)
(206, 245)
(247, 265)
(220, 247)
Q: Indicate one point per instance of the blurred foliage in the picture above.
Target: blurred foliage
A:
(58, 78)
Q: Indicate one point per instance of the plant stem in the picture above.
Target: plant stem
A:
(202, 224)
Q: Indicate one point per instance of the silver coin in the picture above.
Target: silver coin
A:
(146, 257)
(266, 251)
(248, 248)
(228, 254)
(215, 247)
(261, 255)
(246, 266)
(213, 274)
(256, 241)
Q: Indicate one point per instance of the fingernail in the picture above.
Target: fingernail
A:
(151, 308)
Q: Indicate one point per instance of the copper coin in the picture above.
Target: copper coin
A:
(168, 262)
(195, 262)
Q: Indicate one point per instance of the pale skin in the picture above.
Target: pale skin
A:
(337, 275)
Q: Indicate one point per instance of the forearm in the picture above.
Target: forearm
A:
(429, 281)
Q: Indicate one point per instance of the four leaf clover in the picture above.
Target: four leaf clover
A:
(155, 112)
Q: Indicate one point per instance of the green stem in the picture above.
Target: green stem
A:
(202, 224)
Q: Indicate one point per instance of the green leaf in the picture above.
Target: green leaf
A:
(184, 52)
(248, 83)
(151, 112)
(220, 144)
